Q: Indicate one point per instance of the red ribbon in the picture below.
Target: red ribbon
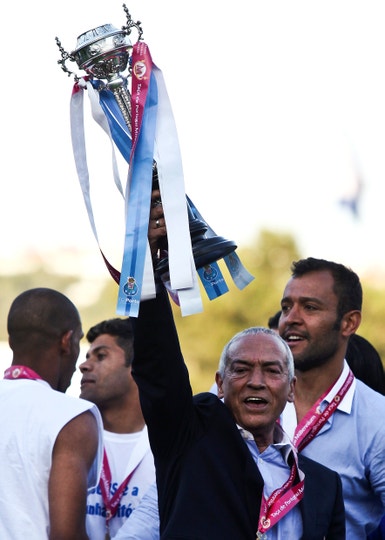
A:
(21, 372)
(111, 503)
(280, 502)
(314, 420)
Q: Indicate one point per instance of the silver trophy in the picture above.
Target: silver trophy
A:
(103, 53)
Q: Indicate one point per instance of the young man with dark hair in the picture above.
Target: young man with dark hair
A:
(335, 419)
(128, 466)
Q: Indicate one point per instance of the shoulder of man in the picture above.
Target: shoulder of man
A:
(314, 469)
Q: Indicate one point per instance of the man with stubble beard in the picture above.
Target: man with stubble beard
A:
(335, 419)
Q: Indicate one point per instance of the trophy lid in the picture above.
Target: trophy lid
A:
(99, 41)
(96, 34)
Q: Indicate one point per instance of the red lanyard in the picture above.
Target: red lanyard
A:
(21, 372)
(314, 419)
(280, 502)
(111, 503)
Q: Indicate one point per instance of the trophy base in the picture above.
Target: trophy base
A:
(206, 251)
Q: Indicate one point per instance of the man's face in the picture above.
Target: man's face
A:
(105, 378)
(308, 321)
(256, 384)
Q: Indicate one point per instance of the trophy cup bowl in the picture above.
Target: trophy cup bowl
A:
(104, 53)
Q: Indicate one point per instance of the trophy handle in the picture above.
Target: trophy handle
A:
(64, 57)
(131, 24)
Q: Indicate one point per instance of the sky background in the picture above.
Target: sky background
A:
(278, 105)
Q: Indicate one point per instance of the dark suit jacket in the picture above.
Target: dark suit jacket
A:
(208, 483)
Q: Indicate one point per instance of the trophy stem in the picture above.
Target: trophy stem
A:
(123, 99)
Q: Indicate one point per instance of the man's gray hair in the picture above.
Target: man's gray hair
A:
(223, 361)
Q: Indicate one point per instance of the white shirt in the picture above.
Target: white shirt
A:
(126, 452)
(31, 417)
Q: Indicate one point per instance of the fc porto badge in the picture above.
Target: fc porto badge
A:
(210, 273)
(131, 287)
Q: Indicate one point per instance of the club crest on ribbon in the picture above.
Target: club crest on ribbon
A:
(139, 69)
(130, 288)
(210, 273)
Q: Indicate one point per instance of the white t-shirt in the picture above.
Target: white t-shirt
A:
(126, 453)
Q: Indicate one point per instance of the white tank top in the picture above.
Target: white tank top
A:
(31, 416)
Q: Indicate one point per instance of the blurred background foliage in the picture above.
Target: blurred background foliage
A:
(203, 335)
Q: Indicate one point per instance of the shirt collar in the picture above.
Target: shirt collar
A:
(281, 442)
(345, 405)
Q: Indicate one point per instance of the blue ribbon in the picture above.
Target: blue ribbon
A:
(212, 280)
(238, 272)
(119, 130)
(130, 286)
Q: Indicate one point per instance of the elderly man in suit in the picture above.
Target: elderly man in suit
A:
(225, 468)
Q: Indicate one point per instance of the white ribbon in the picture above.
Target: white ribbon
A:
(183, 276)
(80, 156)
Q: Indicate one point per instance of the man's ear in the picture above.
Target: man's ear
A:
(219, 381)
(66, 341)
(350, 322)
(290, 397)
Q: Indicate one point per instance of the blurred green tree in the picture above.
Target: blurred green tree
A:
(203, 335)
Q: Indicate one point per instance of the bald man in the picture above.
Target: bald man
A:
(51, 444)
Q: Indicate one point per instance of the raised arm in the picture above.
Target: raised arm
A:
(72, 457)
(158, 366)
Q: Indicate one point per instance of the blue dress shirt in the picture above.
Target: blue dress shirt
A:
(274, 468)
(352, 442)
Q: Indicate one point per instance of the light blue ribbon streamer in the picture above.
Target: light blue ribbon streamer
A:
(238, 272)
(135, 246)
(212, 280)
